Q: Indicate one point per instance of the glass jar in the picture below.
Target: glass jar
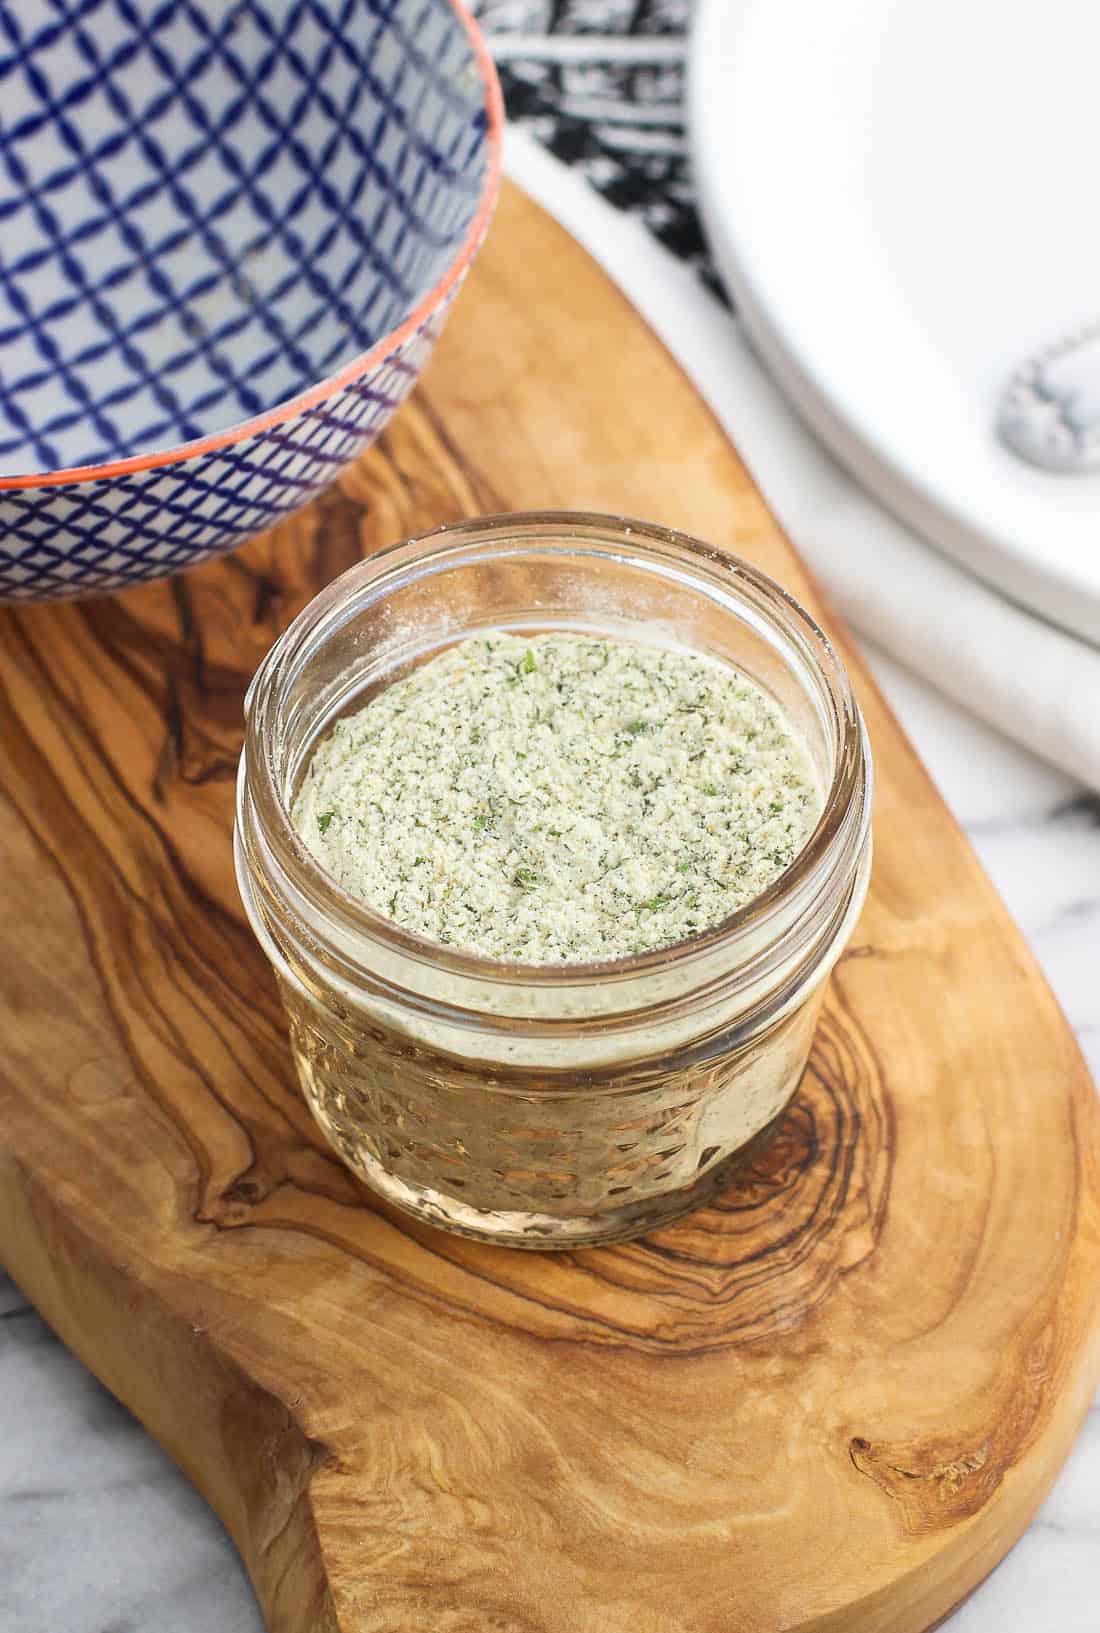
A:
(550, 1105)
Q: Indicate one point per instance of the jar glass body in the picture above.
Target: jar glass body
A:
(553, 1105)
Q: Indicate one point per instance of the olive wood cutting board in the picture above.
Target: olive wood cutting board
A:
(831, 1401)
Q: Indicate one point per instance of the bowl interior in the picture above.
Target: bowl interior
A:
(207, 208)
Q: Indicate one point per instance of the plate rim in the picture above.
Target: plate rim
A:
(1051, 592)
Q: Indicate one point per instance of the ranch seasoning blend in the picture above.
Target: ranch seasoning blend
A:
(560, 798)
(553, 827)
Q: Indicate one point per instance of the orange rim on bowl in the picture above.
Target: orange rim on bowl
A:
(494, 114)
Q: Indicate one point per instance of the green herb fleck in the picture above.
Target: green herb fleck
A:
(528, 665)
(324, 819)
(525, 878)
(637, 727)
(711, 788)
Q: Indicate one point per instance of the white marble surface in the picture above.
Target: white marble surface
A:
(100, 1534)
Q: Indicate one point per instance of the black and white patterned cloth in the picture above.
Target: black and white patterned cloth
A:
(601, 84)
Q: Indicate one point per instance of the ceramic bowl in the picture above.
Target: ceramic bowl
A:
(230, 235)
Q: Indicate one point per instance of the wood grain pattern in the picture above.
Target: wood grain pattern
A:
(832, 1401)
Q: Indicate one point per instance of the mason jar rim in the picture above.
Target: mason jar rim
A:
(367, 581)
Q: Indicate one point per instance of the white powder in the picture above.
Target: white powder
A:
(560, 799)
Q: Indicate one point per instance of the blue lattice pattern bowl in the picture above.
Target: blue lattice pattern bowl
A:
(229, 233)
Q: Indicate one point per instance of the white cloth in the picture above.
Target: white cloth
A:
(1017, 673)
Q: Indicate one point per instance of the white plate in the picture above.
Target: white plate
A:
(902, 195)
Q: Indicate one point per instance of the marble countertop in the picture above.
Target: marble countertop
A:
(99, 1533)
